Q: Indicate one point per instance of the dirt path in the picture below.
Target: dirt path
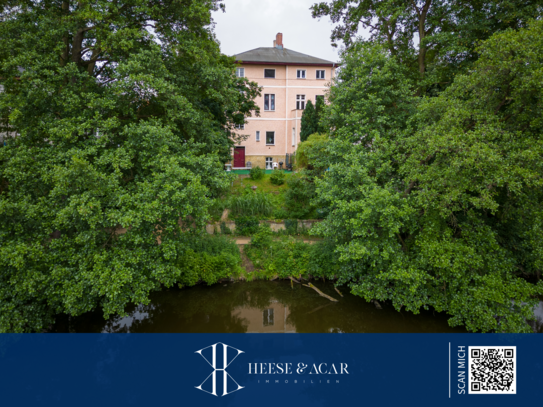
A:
(247, 240)
(246, 263)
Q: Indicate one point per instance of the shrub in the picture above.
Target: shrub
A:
(207, 268)
(246, 225)
(211, 244)
(217, 208)
(291, 225)
(314, 146)
(288, 257)
(263, 237)
(280, 213)
(322, 212)
(256, 173)
(251, 204)
(225, 230)
(277, 177)
(206, 258)
(298, 197)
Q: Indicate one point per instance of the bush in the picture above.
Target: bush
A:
(217, 208)
(263, 237)
(277, 177)
(289, 257)
(291, 225)
(298, 197)
(210, 244)
(246, 225)
(280, 213)
(256, 173)
(225, 230)
(314, 146)
(251, 203)
(206, 258)
(207, 268)
(322, 212)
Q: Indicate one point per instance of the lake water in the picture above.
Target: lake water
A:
(262, 306)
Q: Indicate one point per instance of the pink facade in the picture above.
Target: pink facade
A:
(277, 131)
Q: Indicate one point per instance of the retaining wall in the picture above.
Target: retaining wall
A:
(213, 228)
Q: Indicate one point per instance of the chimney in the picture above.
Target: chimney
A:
(278, 43)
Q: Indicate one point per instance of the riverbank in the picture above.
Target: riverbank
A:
(257, 306)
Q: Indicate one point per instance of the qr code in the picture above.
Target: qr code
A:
(492, 369)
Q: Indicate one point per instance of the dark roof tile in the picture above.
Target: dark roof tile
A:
(279, 55)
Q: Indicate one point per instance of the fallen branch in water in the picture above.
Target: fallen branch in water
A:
(293, 279)
(318, 308)
(335, 288)
(320, 292)
(376, 303)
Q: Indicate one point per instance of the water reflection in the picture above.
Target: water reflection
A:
(274, 319)
(537, 323)
(258, 306)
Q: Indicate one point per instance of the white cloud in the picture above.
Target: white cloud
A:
(249, 24)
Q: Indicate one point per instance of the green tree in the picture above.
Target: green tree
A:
(319, 113)
(309, 122)
(309, 152)
(435, 38)
(124, 112)
(438, 202)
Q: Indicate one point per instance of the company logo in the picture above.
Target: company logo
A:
(219, 364)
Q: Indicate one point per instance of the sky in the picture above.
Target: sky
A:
(250, 24)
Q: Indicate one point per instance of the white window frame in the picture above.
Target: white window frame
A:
(293, 136)
(257, 135)
(269, 163)
(323, 73)
(301, 73)
(240, 126)
(273, 138)
(300, 102)
(268, 317)
(269, 69)
(240, 72)
(271, 96)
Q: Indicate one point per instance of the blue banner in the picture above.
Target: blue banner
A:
(270, 369)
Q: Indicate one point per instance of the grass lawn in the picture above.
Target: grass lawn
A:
(242, 201)
(262, 185)
(265, 171)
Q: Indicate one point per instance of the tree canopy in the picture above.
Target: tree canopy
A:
(123, 112)
(436, 39)
(436, 201)
(309, 122)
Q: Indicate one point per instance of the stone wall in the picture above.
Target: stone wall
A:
(260, 160)
(215, 228)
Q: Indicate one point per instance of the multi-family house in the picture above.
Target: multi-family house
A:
(288, 80)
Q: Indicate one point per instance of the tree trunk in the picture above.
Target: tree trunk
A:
(422, 34)
(66, 52)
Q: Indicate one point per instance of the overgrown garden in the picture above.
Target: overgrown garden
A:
(124, 113)
(425, 164)
(433, 172)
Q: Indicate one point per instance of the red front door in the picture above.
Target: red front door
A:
(239, 157)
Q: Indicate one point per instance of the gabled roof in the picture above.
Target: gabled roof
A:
(280, 56)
